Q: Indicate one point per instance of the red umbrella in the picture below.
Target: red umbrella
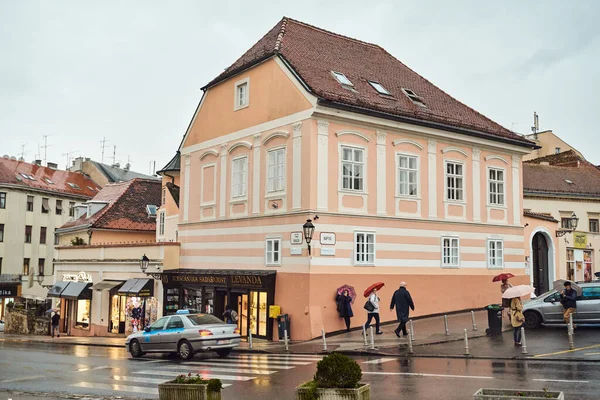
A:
(502, 277)
(350, 289)
(377, 286)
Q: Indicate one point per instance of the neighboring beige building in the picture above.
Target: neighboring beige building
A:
(104, 174)
(167, 216)
(559, 191)
(34, 201)
(549, 144)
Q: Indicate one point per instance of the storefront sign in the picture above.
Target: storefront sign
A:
(199, 279)
(580, 240)
(234, 280)
(296, 238)
(327, 238)
(8, 291)
(80, 277)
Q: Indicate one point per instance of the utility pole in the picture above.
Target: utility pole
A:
(103, 142)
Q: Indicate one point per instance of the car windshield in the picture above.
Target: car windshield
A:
(204, 319)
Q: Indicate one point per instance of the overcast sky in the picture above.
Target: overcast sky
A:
(131, 71)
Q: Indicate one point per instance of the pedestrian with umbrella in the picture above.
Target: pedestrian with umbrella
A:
(372, 306)
(505, 285)
(516, 308)
(344, 306)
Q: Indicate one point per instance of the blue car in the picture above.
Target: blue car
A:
(186, 335)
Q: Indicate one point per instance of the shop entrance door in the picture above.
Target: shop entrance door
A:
(540, 264)
(244, 317)
(258, 314)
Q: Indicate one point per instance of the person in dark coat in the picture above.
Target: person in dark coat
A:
(344, 307)
(402, 301)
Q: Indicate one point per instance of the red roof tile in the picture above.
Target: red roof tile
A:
(313, 53)
(554, 180)
(126, 206)
(45, 178)
(542, 216)
(568, 158)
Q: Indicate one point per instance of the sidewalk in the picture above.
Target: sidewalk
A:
(428, 331)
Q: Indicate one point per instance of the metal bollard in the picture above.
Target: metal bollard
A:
(250, 339)
(324, 341)
(411, 332)
(285, 337)
(410, 341)
(466, 344)
(446, 325)
(473, 320)
(372, 339)
(570, 332)
(523, 341)
(365, 335)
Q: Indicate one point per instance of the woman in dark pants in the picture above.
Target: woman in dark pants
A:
(345, 308)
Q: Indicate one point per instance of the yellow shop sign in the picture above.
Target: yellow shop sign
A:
(580, 240)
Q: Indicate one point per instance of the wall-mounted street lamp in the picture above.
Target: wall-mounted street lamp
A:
(572, 225)
(40, 279)
(309, 229)
(144, 262)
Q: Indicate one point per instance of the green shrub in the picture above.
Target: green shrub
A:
(77, 241)
(337, 371)
(213, 385)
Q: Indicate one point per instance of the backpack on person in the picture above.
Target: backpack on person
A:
(234, 316)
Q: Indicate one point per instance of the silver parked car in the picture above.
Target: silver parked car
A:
(185, 334)
(547, 309)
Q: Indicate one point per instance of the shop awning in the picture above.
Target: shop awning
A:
(137, 288)
(71, 290)
(106, 284)
(57, 289)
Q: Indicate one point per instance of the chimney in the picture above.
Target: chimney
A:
(127, 166)
(52, 165)
(38, 162)
(116, 165)
(77, 165)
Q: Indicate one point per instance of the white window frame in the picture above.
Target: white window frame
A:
(361, 258)
(409, 170)
(271, 183)
(161, 223)
(270, 254)
(379, 88)
(450, 264)
(236, 103)
(493, 260)
(239, 179)
(364, 168)
(496, 182)
(446, 176)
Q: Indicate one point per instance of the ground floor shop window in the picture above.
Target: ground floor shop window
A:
(580, 265)
(258, 313)
(83, 314)
(570, 264)
(139, 313)
(192, 299)
(587, 266)
(117, 314)
(3, 304)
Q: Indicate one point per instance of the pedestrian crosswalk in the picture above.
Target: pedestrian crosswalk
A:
(144, 379)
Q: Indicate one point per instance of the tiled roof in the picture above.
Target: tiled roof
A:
(568, 158)
(313, 53)
(174, 190)
(542, 216)
(45, 178)
(126, 208)
(117, 174)
(554, 180)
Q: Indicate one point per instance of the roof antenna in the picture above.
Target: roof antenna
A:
(536, 125)
(45, 147)
(103, 142)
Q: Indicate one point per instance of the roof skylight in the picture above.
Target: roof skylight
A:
(49, 181)
(379, 87)
(27, 176)
(151, 210)
(341, 78)
(569, 182)
(74, 185)
(413, 96)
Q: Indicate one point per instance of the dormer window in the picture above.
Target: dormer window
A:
(341, 78)
(151, 210)
(379, 87)
(413, 96)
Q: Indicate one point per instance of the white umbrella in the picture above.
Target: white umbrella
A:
(517, 291)
(559, 286)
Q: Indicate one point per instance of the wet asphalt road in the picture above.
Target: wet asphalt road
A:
(57, 370)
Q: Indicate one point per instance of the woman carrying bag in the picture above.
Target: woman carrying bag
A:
(372, 307)
(516, 318)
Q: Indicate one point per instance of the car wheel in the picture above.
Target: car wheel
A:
(135, 349)
(532, 320)
(185, 350)
(223, 352)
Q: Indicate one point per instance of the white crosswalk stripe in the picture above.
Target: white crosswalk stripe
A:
(236, 368)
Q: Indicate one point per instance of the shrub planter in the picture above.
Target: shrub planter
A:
(510, 394)
(363, 392)
(186, 391)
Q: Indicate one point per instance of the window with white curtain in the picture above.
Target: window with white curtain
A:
(276, 170)
(495, 253)
(239, 177)
(408, 172)
(496, 186)
(450, 252)
(364, 248)
(353, 167)
(454, 181)
(273, 252)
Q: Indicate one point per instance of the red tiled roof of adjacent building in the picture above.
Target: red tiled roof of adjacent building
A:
(542, 216)
(125, 208)
(313, 53)
(555, 181)
(17, 173)
(568, 158)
